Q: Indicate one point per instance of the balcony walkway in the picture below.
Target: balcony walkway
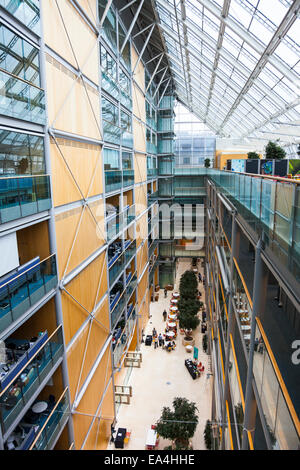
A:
(162, 377)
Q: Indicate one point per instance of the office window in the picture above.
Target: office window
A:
(125, 55)
(110, 112)
(26, 11)
(111, 159)
(126, 122)
(18, 57)
(109, 25)
(127, 163)
(21, 154)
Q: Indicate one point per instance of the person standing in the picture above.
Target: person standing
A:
(166, 292)
(165, 315)
(155, 342)
(160, 339)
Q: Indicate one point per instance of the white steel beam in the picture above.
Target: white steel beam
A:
(105, 13)
(132, 25)
(143, 49)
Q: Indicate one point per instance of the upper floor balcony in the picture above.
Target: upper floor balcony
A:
(24, 288)
(23, 196)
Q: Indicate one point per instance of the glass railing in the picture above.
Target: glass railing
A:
(151, 173)
(282, 421)
(130, 252)
(21, 100)
(167, 102)
(116, 269)
(128, 178)
(125, 336)
(150, 147)
(23, 196)
(165, 124)
(113, 180)
(25, 290)
(189, 191)
(271, 207)
(52, 423)
(34, 374)
(165, 146)
(129, 215)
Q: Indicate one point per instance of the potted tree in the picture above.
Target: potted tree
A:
(207, 162)
(178, 425)
(188, 306)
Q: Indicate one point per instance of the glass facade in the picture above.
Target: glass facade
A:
(21, 154)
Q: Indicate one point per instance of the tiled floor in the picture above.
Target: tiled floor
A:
(162, 377)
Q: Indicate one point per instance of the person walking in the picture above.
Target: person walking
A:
(165, 314)
(155, 342)
(160, 339)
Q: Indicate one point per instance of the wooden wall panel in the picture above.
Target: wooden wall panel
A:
(138, 104)
(142, 258)
(33, 241)
(85, 163)
(79, 225)
(92, 398)
(100, 433)
(86, 348)
(140, 199)
(139, 135)
(90, 7)
(142, 287)
(70, 27)
(85, 289)
(72, 106)
(140, 168)
(139, 74)
(141, 229)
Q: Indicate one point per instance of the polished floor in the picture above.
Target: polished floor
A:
(162, 377)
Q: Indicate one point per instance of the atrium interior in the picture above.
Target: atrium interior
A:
(149, 224)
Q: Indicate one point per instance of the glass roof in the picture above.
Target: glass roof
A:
(236, 63)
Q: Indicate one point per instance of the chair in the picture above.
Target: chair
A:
(153, 426)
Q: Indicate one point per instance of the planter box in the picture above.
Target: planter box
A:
(188, 342)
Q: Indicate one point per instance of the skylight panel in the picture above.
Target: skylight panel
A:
(275, 13)
(286, 54)
(260, 31)
(240, 14)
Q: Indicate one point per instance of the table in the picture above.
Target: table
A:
(119, 440)
(170, 334)
(39, 407)
(151, 439)
(176, 295)
(172, 316)
(174, 301)
(245, 327)
(174, 309)
(172, 325)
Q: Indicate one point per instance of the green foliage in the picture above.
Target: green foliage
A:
(208, 437)
(274, 151)
(207, 163)
(253, 155)
(188, 322)
(179, 424)
(188, 304)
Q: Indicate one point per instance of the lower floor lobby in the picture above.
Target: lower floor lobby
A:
(162, 377)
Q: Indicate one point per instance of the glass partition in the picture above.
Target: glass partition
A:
(274, 399)
(23, 196)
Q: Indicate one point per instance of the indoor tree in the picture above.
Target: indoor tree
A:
(178, 425)
(253, 155)
(274, 151)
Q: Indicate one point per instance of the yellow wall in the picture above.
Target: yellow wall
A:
(221, 158)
